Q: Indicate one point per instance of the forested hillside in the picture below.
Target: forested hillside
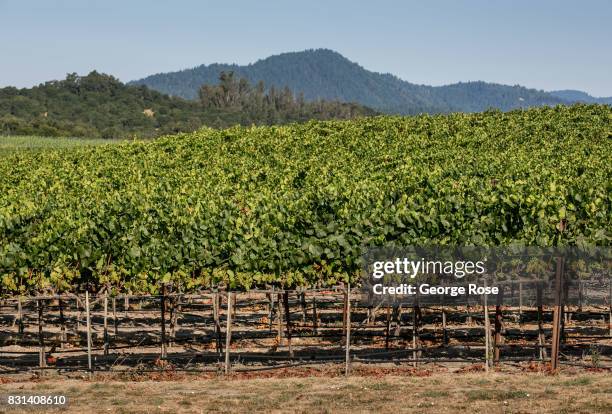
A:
(579, 96)
(99, 105)
(326, 74)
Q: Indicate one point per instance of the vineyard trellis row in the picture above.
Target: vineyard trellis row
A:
(294, 205)
(271, 329)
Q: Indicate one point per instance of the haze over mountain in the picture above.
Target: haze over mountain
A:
(323, 73)
(579, 96)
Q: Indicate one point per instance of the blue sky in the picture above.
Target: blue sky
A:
(541, 44)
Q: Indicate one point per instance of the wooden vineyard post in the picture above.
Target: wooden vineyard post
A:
(174, 309)
(215, 303)
(105, 324)
(498, 326)
(163, 322)
(228, 333)
(171, 310)
(234, 305)
(520, 307)
(63, 337)
(580, 295)
(414, 336)
(271, 308)
(115, 315)
(416, 342)
(556, 334)
(179, 311)
(126, 305)
(347, 360)
(42, 360)
(279, 320)
(397, 317)
(78, 319)
(288, 321)
(89, 365)
(388, 327)
(564, 310)
(541, 337)
(19, 316)
(344, 318)
(610, 306)
(487, 328)
(303, 305)
(315, 318)
(444, 330)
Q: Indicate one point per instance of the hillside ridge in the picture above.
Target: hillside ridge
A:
(324, 73)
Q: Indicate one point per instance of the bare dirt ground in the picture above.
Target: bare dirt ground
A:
(320, 390)
(448, 383)
(262, 337)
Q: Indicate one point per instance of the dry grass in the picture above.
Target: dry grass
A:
(438, 393)
(10, 144)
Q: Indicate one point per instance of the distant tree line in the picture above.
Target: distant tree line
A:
(98, 105)
(257, 105)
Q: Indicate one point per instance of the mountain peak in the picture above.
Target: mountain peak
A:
(326, 74)
(308, 53)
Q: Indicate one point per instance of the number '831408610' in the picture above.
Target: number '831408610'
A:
(36, 400)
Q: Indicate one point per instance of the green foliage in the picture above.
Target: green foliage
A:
(254, 104)
(579, 96)
(100, 106)
(9, 144)
(325, 74)
(294, 205)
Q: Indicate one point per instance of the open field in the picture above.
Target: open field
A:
(569, 392)
(13, 143)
